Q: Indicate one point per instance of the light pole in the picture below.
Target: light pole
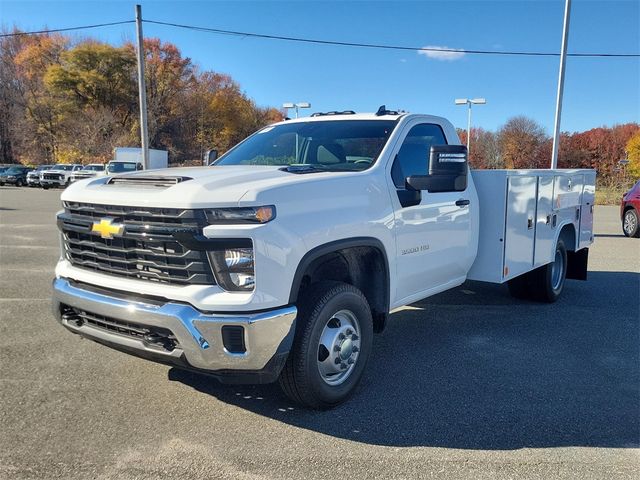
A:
(469, 102)
(298, 105)
(563, 61)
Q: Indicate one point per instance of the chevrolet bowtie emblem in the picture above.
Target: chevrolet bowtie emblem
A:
(106, 228)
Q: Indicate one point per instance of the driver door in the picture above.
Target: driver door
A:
(433, 230)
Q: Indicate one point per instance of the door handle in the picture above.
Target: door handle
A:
(462, 202)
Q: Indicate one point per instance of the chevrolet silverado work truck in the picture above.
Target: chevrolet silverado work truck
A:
(281, 260)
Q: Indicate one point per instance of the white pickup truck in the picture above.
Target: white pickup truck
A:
(281, 260)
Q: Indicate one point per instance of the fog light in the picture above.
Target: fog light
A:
(234, 268)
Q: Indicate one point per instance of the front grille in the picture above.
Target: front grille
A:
(145, 249)
(52, 176)
(152, 336)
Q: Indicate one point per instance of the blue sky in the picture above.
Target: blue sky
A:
(598, 91)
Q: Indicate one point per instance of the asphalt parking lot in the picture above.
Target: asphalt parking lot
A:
(467, 384)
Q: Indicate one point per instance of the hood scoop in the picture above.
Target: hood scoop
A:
(147, 181)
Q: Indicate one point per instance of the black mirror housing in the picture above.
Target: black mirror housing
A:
(448, 170)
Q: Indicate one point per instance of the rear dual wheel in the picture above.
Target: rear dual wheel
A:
(332, 344)
(545, 283)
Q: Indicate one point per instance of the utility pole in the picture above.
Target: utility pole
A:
(142, 91)
(563, 61)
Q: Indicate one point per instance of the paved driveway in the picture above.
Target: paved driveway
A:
(467, 384)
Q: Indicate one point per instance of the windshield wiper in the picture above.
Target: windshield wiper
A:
(303, 168)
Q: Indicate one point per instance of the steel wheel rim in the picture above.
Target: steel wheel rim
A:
(557, 270)
(629, 223)
(339, 347)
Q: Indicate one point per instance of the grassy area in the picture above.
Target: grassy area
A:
(609, 194)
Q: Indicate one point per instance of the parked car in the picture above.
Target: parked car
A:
(33, 177)
(88, 171)
(16, 175)
(58, 176)
(630, 211)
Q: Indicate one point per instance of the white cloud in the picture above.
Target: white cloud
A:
(441, 53)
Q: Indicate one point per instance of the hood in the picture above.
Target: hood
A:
(199, 187)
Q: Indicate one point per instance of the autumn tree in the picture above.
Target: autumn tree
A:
(34, 127)
(485, 150)
(520, 140)
(633, 155)
(169, 79)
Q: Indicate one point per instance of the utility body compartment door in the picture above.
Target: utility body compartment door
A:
(586, 212)
(520, 225)
(545, 222)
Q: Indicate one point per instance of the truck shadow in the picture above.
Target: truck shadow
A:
(474, 369)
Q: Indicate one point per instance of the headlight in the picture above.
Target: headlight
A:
(234, 268)
(237, 215)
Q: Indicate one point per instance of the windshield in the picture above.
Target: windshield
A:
(13, 170)
(93, 168)
(43, 167)
(63, 167)
(121, 167)
(329, 145)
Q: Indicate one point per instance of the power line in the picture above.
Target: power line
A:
(382, 46)
(329, 42)
(84, 27)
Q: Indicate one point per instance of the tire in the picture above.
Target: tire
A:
(46, 187)
(332, 343)
(548, 280)
(19, 183)
(631, 223)
(544, 284)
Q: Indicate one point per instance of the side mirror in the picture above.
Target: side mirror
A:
(447, 170)
(139, 166)
(210, 156)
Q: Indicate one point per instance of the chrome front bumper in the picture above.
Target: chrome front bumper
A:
(48, 182)
(199, 335)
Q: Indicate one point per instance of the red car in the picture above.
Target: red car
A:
(630, 211)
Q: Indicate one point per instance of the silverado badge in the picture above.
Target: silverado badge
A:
(106, 228)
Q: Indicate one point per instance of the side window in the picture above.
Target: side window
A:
(413, 157)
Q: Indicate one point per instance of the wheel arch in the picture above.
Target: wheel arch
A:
(359, 261)
(567, 233)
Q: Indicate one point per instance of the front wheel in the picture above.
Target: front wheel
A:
(19, 183)
(630, 224)
(333, 340)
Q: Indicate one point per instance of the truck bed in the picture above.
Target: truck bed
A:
(521, 215)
